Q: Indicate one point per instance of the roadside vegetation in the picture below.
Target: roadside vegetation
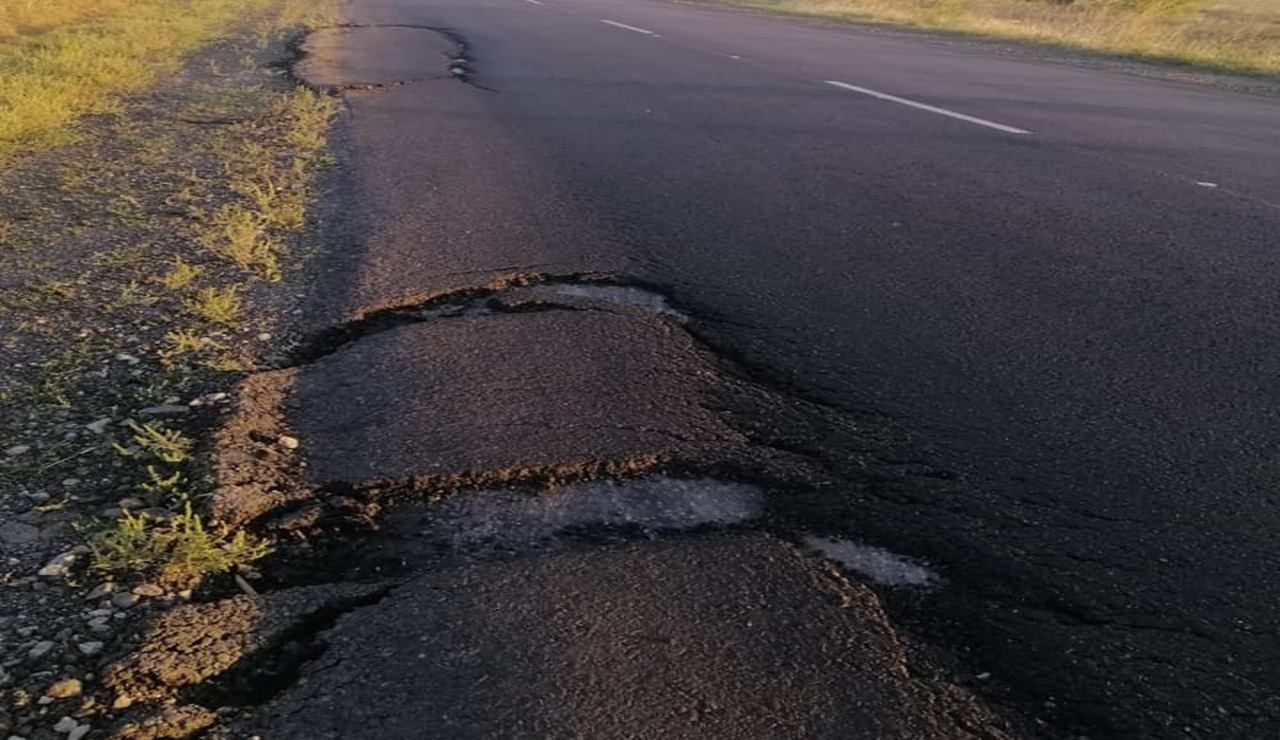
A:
(1229, 35)
(61, 59)
(157, 172)
(157, 168)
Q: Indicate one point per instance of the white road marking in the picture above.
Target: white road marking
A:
(930, 108)
(629, 28)
(535, 2)
(1203, 184)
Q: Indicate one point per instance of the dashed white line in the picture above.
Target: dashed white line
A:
(1204, 184)
(925, 107)
(629, 28)
(535, 2)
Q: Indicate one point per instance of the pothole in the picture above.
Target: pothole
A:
(632, 296)
(521, 519)
(370, 57)
(412, 535)
(516, 294)
(875, 563)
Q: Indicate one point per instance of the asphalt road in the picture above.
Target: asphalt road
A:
(1051, 285)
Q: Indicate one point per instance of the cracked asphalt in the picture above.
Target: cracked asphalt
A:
(1013, 317)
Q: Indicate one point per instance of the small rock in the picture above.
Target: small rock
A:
(16, 450)
(40, 649)
(79, 732)
(130, 502)
(208, 399)
(128, 359)
(64, 689)
(148, 589)
(65, 725)
(163, 410)
(264, 337)
(57, 568)
(287, 442)
(99, 426)
(122, 701)
(38, 497)
(124, 600)
(70, 482)
(90, 648)
(100, 590)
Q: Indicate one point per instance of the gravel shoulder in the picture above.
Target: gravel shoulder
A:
(112, 248)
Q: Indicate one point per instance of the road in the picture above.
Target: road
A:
(1031, 303)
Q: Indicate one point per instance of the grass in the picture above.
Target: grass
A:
(180, 275)
(179, 550)
(166, 445)
(33, 16)
(60, 59)
(234, 190)
(60, 374)
(1232, 36)
(216, 305)
(240, 236)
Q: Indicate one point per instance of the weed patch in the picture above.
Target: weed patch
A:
(166, 445)
(180, 275)
(239, 236)
(178, 550)
(216, 305)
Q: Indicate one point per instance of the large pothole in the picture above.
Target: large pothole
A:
(355, 57)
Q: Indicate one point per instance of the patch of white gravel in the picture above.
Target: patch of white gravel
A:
(876, 563)
(514, 519)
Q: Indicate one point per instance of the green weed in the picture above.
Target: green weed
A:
(216, 305)
(167, 445)
(179, 550)
(180, 275)
(238, 235)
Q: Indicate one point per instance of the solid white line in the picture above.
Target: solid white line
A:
(629, 28)
(930, 108)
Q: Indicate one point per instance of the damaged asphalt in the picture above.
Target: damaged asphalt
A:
(629, 262)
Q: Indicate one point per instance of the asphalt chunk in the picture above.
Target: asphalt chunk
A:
(541, 390)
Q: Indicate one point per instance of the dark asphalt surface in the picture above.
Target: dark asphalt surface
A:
(1073, 323)
(730, 636)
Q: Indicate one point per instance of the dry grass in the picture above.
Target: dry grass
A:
(180, 275)
(1236, 35)
(50, 77)
(216, 305)
(240, 236)
(33, 16)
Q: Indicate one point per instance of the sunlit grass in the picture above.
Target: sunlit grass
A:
(1234, 35)
(33, 16)
(49, 78)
